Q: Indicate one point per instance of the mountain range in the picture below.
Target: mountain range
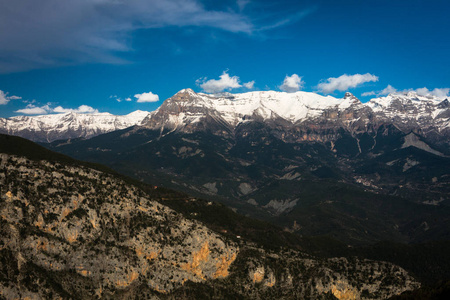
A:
(284, 157)
(319, 173)
(48, 128)
(426, 115)
(300, 160)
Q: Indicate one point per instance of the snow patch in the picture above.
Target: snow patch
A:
(414, 141)
(211, 187)
(245, 188)
(281, 206)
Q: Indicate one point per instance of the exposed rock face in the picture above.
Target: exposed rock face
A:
(293, 275)
(81, 223)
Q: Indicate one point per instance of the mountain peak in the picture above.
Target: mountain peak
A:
(350, 96)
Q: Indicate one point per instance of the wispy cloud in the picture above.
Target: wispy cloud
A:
(345, 82)
(386, 91)
(32, 109)
(4, 98)
(286, 20)
(242, 4)
(292, 83)
(146, 97)
(425, 92)
(249, 85)
(46, 33)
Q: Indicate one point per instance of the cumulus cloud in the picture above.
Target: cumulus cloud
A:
(146, 97)
(48, 33)
(249, 85)
(292, 84)
(345, 82)
(386, 91)
(437, 92)
(4, 98)
(32, 109)
(216, 86)
(82, 109)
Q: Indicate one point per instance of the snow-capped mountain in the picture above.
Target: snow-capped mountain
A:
(303, 115)
(413, 110)
(187, 107)
(302, 112)
(48, 128)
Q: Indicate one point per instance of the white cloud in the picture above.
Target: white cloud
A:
(146, 97)
(82, 109)
(128, 99)
(242, 4)
(4, 98)
(249, 85)
(386, 91)
(48, 33)
(292, 83)
(31, 109)
(372, 93)
(345, 82)
(216, 86)
(439, 93)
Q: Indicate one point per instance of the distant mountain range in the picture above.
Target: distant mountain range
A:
(186, 111)
(48, 128)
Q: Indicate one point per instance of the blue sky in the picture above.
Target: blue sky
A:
(85, 55)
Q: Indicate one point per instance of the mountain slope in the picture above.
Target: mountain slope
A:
(75, 232)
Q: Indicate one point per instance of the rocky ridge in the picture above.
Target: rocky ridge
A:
(87, 228)
(188, 111)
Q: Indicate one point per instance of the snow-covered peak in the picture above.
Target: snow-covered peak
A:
(397, 100)
(68, 125)
(411, 108)
(233, 108)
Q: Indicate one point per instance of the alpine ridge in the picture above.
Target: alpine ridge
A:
(48, 128)
(187, 111)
